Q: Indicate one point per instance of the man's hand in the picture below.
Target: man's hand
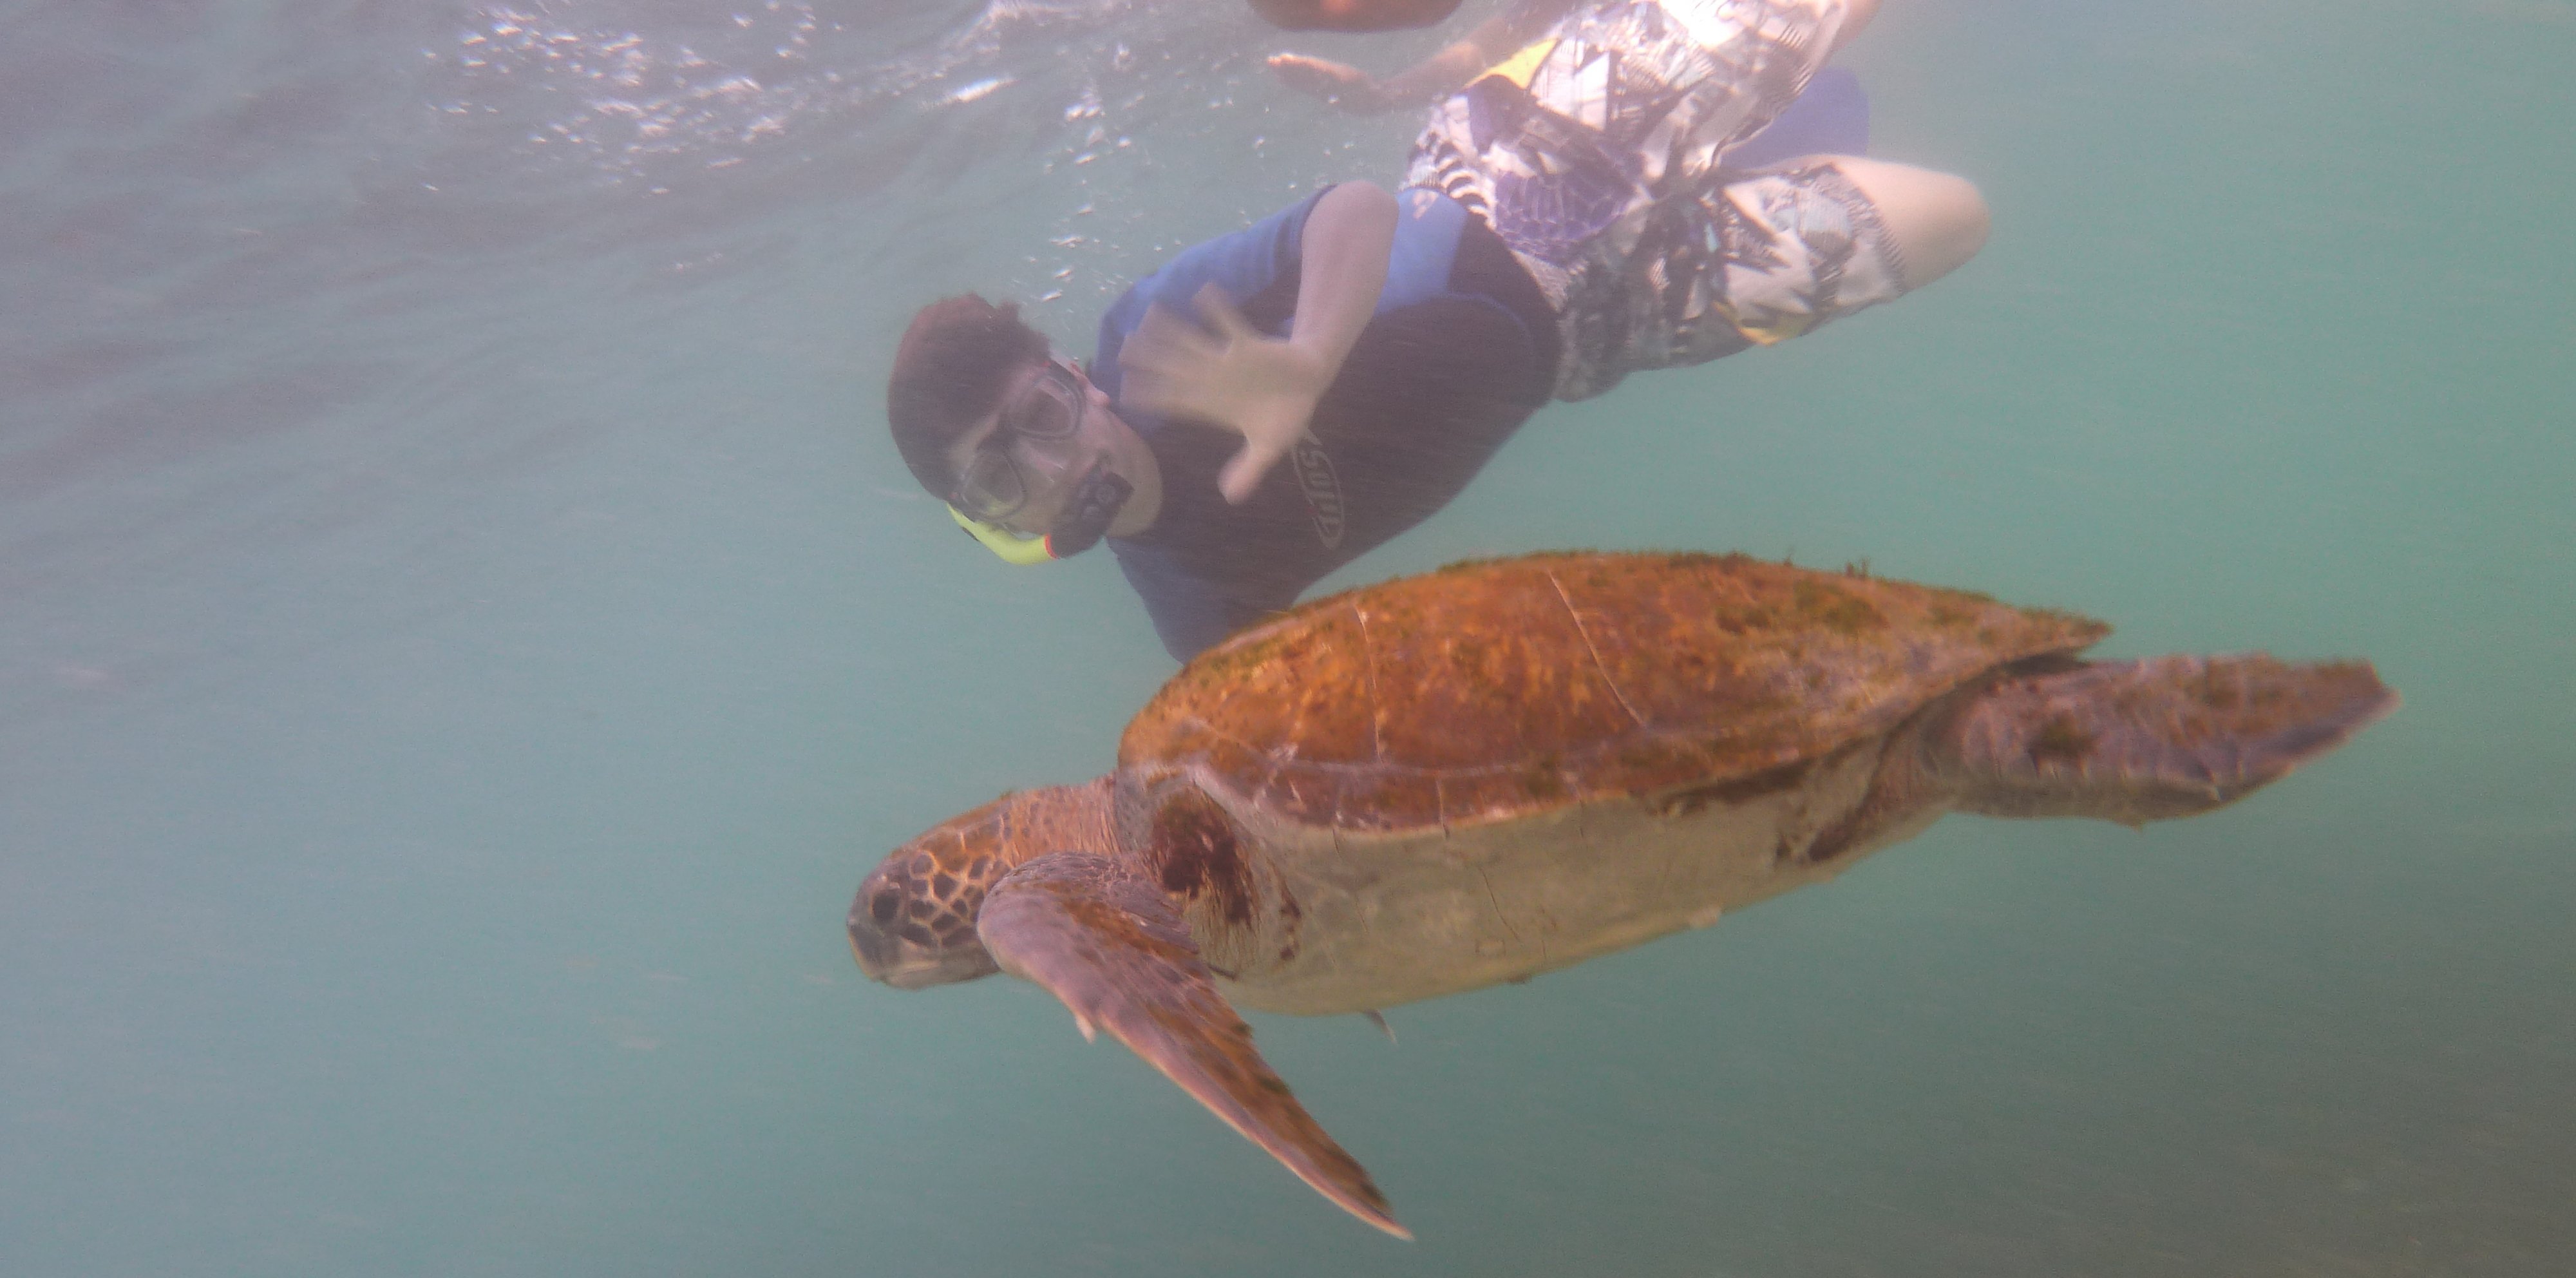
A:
(1225, 371)
(1344, 86)
(1227, 374)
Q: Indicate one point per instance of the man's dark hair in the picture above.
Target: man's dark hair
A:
(956, 359)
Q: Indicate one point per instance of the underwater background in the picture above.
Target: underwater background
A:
(464, 633)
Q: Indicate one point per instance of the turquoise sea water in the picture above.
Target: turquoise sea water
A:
(466, 633)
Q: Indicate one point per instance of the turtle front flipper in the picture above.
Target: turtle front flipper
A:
(1108, 942)
(2139, 741)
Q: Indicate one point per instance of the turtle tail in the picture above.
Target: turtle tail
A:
(2140, 741)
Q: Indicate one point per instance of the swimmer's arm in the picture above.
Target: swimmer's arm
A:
(1342, 269)
(1494, 39)
(1454, 65)
(1224, 372)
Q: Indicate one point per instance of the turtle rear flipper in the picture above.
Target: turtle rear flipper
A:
(1108, 943)
(2139, 741)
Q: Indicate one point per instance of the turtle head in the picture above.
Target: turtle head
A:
(913, 922)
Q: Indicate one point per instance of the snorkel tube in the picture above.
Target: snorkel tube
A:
(1012, 547)
(1085, 521)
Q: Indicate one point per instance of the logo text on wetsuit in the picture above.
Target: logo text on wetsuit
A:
(1323, 490)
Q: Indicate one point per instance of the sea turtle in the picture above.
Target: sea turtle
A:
(1500, 768)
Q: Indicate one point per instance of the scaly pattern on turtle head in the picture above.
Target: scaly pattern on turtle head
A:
(913, 921)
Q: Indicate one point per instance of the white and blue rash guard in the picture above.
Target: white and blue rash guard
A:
(1461, 350)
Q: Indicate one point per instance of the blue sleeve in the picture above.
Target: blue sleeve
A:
(1243, 263)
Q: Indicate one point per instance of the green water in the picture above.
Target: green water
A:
(467, 634)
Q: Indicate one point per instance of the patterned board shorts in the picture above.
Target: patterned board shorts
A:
(1598, 155)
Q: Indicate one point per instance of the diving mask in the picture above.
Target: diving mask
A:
(1036, 445)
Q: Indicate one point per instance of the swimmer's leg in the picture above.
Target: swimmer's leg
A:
(1937, 220)
(1817, 238)
(1856, 15)
(1757, 55)
(1756, 258)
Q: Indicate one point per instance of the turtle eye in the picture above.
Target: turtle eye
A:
(882, 906)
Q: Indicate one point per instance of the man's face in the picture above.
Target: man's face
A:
(1048, 475)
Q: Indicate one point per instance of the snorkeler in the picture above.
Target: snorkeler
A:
(1558, 228)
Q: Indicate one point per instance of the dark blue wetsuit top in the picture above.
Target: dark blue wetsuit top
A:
(1462, 349)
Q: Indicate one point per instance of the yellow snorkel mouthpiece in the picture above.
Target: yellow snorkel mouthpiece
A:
(1012, 547)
